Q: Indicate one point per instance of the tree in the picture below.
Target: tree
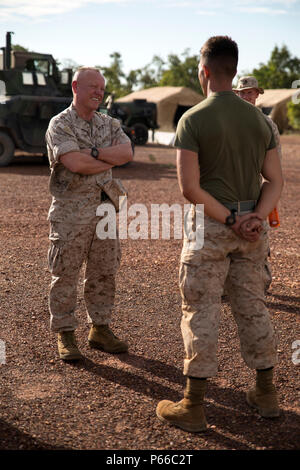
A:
(150, 75)
(113, 75)
(68, 64)
(182, 72)
(177, 71)
(280, 71)
(293, 114)
(17, 47)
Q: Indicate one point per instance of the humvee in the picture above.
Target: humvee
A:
(138, 115)
(32, 91)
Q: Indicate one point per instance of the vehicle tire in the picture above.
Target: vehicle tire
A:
(140, 135)
(45, 159)
(7, 149)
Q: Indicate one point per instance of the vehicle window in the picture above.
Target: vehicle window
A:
(64, 78)
(41, 79)
(2, 88)
(27, 78)
(39, 65)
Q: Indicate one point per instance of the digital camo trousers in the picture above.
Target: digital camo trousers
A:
(202, 278)
(71, 246)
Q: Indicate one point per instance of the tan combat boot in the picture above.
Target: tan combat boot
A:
(188, 413)
(67, 347)
(264, 397)
(101, 337)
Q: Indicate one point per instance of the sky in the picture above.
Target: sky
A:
(88, 31)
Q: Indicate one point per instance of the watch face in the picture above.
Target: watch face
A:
(94, 152)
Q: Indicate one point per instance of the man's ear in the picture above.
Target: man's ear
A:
(74, 86)
(206, 71)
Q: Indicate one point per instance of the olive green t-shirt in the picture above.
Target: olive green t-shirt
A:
(231, 138)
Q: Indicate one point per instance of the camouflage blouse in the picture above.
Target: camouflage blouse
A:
(75, 197)
(276, 135)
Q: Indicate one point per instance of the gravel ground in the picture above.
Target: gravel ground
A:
(108, 402)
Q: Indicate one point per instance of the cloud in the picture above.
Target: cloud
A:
(206, 12)
(179, 4)
(42, 8)
(212, 8)
(265, 3)
(262, 10)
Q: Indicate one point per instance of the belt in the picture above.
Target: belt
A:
(240, 206)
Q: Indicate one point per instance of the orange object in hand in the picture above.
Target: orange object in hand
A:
(274, 218)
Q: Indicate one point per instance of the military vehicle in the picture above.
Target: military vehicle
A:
(32, 91)
(138, 115)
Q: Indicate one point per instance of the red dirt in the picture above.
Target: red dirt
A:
(108, 402)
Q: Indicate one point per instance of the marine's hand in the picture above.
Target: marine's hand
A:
(250, 229)
(248, 226)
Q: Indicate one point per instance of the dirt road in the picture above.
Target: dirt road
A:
(108, 402)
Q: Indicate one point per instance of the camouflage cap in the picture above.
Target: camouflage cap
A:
(246, 83)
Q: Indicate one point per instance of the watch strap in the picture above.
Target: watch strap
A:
(231, 219)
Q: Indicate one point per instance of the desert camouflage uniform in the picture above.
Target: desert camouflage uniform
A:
(276, 135)
(202, 276)
(268, 271)
(73, 221)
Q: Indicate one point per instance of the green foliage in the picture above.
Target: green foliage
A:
(150, 75)
(17, 47)
(113, 75)
(293, 114)
(280, 71)
(182, 72)
(177, 71)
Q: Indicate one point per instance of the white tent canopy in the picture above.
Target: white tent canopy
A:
(274, 103)
(169, 101)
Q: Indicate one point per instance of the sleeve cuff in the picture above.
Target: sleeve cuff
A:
(63, 148)
(180, 146)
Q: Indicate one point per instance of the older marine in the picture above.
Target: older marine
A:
(83, 147)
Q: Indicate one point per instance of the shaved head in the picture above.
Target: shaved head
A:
(88, 86)
(83, 71)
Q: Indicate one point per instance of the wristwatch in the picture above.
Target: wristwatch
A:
(231, 219)
(94, 152)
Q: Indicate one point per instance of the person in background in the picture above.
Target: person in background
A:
(248, 89)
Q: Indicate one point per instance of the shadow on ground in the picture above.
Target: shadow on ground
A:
(11, 438)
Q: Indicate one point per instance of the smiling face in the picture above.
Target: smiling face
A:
(88, 89)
